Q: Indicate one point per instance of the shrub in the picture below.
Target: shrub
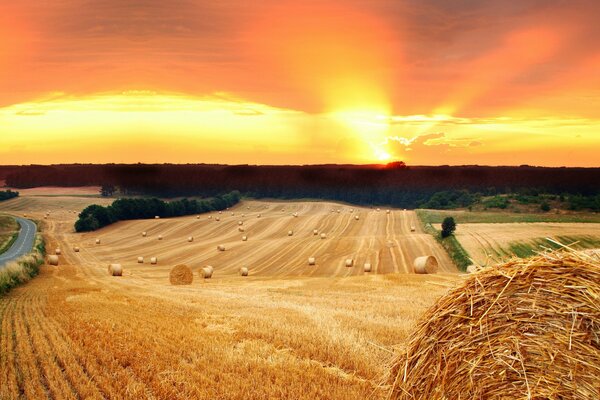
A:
(448, 226)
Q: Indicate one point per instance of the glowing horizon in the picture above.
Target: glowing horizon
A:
(300, 83)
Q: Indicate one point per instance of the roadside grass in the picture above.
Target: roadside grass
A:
(470, 217)
(532, 247)
(22, 270)
(9, 231)
(457, 253)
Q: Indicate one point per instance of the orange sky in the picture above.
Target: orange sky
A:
(271, 82)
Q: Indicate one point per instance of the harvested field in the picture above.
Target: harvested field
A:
(305, 331)
(486, 243)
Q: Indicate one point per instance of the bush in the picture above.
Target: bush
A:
(448, 226)
(95, 217)
(496, 202)
(450, 199)
(545, 206)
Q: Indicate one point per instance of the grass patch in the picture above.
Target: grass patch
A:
(471, 217)
(9, 231)
(532, 247)
(457, 253)
(22, 270)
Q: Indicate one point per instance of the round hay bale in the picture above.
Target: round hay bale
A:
(160, 237)
(356, 217)
(232, 214)
(258, 216)
(76, 249)
(367, 267)
(210, 217)
(144, 234)
(140, 260)
(241, 229)
(217, 219)
(156, 217)
(387, 211)
(471, 269)
(315, 232)
(98, 241)
(190, 239)
(351, 210)
(244, 238)
(52, 260)
(243, 215)
(349, 262)
(312, 261)
(290, 233)
(244, 271)
(57, 252)
(378, 210)
(425, 265)
(153, 260)
(524, 329)
(413, 228)
(221, 247)
(220, 212)
(206, 272)
(115, 269)
(295, 215)
(323, 236)
(181, 275)
(338, 211)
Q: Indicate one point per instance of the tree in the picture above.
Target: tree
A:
(545, 206)
(448, 226)
(107, 190)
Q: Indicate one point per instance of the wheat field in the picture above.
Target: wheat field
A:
(287, 331)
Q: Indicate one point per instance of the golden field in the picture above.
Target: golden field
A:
(287, 331)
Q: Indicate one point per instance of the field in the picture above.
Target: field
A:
(289, 330)
(487, 243)
(500, 216)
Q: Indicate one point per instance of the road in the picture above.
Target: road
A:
(23, 244)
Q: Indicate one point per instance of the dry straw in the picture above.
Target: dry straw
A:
(57, 252)
(315, 232)
(244, 238)
(367, 267)
(526, 329)
(413, 228)
(140, 260)
(323, 236)
(181, 275)
(98, 241)
(153, 260)
(290, 233)
(144, 234)
(190, 239)
(221, 247)
(312, 261)
(52, 260)
(349, 262)
(76, 249)
(244, 271)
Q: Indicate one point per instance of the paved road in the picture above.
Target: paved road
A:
(23, 244)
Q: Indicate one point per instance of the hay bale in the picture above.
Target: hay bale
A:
(471, 269)
(244, 238)
(160, 237)
(241, 229)
(387, 211)
(367, 267)
(413, 228)
(356, 217)
(190, 239)
(232, 214)
(312, 260)
(295, 215)
(153, 260)
(315, 232)
(243, 215)
(156, 217)
(425, 265)
(53, 260)
(98, 241)
(323, 236)
(57, 252)
(258, 216)
(220, 212)
(76, 249)
(217, 219)
(210, 217)
(378, 209)
(115, 269)
(524, 329)
(221, 247)
(197, 217)
(206, 272)
(144, 234)
(349, 262)
(140, 260)
(244, 271)
(181, 275)
(290, 233)
(351, 210)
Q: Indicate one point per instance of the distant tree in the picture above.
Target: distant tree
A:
(396, 165)
(448, 226)
(107, 190)
(545, 206)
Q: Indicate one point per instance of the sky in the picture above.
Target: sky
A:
(429, 82)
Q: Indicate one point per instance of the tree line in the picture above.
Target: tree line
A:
(8, 194)
(95, 217)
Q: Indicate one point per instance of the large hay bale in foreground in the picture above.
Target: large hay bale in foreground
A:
(425, 265)
(52, 260)
(525, 329)
(181, 275)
